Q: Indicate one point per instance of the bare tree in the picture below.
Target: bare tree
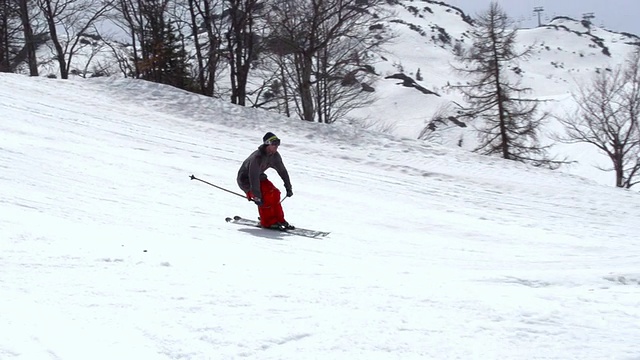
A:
(509, 121)
(74, 19)
(275, 91)
(18, 39)
(130, 20)
(208, 50)
(241, 44)
(607, 117)
(322, 47)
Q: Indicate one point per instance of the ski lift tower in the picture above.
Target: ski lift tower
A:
(586, 21)
(587, 17)
(539, 10)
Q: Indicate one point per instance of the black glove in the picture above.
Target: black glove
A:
(257, 200)
(289, 193)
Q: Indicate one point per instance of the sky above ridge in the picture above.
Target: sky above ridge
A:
(616, 15)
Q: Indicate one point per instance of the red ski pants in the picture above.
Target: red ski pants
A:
(270, 211)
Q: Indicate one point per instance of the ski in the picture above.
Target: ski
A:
(297, 231)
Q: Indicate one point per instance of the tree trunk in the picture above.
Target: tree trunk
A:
(213, 55)
(53, 32)
(240, 43)
(30, 42)
(197, 46)
(306, 96)
(5, 61)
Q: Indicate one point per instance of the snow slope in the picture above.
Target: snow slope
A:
(109, 251)
(424, 34)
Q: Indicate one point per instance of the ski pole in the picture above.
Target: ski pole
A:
(192, 177)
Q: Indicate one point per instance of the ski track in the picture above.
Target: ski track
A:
(110, 251)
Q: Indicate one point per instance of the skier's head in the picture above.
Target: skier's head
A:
(270, 139)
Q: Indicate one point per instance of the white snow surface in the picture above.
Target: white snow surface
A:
(109, 251)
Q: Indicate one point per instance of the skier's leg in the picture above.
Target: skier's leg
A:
(271, 210)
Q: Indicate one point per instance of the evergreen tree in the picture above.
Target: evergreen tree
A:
(508, 122)
(167, 61)
(176, 70)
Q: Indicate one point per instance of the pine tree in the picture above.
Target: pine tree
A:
(507, 121)
(176, 70)
(167, 61)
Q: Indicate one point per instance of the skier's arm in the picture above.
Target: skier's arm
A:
(282, 171)
(254, 177)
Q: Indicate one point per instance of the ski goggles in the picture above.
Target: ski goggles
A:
(272, 141)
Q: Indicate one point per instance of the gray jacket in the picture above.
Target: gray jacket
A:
(253, 168)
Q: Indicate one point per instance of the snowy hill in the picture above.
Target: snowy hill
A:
(565, 50)
(566, 53)
(109, 251)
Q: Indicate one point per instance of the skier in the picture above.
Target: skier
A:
(253, 181)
